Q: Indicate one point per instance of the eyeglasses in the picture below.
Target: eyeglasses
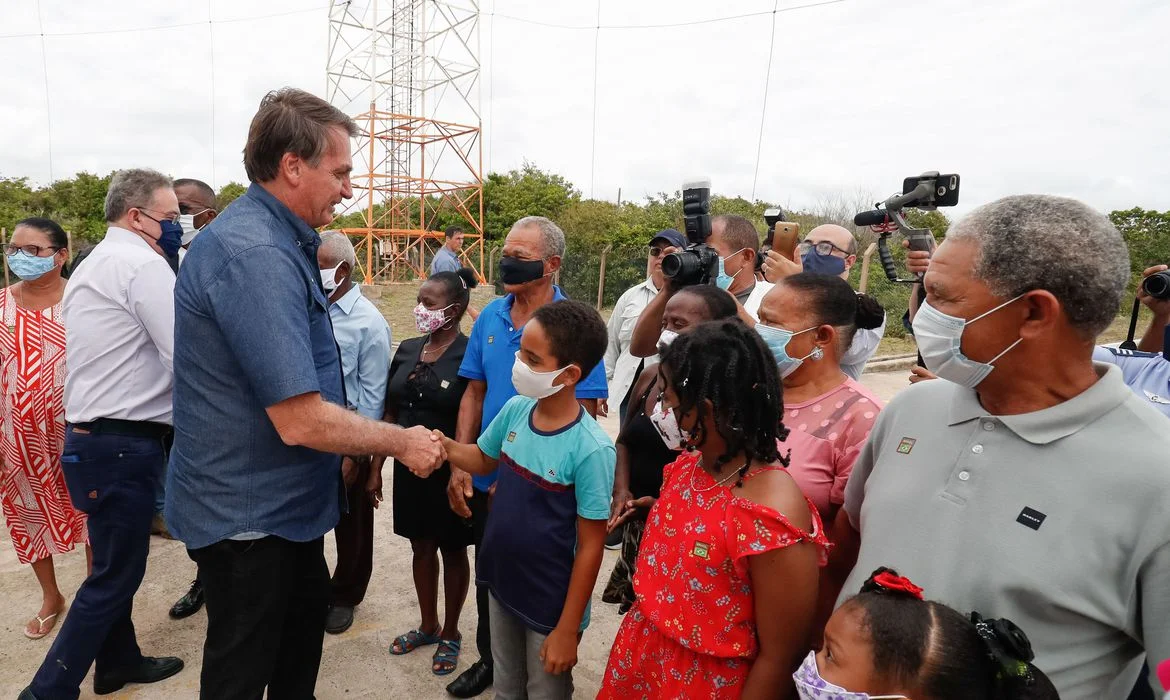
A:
(174, 219)
(657, 250)
(822, 248)
(33, 250)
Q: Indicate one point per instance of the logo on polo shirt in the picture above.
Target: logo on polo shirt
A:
(1030, 517)
(701, 550)
(491, 339)
(906, 445)
(512, 437)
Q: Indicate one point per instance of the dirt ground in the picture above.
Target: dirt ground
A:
(354, 665)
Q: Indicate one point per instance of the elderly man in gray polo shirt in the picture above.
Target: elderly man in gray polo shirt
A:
(1034, 484)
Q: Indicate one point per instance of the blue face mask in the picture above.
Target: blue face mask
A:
(30, 267)
(777, 340)
(822, 264)
(724, 280)
(171, 238)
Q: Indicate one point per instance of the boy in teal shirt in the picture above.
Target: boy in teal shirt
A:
(546, 531)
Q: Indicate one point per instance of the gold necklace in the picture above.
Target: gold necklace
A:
(724, 480)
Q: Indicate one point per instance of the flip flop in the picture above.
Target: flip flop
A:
(446, 657)
(412, 640)
(50, 620)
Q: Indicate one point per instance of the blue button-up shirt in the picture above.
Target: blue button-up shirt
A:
(445, 261)
(1147, 373)
(491, 351)
(363, 337)
(251, 330)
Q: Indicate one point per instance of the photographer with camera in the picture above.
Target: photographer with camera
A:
(829, 249)
(730, 253)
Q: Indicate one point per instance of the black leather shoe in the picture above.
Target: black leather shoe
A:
(26, 694)
(476, 679)
(190, 603)
(149, 670)
(338, 619)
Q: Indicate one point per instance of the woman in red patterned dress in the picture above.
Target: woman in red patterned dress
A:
(726, 579)
(36, 504)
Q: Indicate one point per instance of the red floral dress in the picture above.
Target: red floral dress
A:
(691, 632)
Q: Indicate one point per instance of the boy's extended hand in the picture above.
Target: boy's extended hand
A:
(559, 651)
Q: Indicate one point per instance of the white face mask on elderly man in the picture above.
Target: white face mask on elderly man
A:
(940, 338)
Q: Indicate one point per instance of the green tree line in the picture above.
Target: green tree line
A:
(591, 226)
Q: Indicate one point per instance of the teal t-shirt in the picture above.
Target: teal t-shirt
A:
(547, 480)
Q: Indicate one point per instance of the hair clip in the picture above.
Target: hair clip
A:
(887, 580)
(1007, 647)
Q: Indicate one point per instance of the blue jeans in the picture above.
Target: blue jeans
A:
(111, 478)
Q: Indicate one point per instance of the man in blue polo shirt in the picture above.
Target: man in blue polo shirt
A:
(533, 252)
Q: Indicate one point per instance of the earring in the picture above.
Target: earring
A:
(817, 353)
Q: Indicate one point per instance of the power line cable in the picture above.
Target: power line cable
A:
(764, 107)
(48, 106)
(158, 27)
(593, 153)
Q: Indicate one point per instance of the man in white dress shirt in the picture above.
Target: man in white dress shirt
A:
(119, 339)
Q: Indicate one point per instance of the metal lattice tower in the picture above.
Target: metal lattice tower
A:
(408, 73)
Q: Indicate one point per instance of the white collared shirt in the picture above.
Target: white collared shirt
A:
(620, 366)
(119, 315)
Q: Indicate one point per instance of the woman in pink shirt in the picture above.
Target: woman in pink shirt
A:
(808, 321)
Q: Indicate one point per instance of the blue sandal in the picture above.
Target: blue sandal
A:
(406, 643)
(446, 657)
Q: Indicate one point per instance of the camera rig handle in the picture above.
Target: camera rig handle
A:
(887, 218)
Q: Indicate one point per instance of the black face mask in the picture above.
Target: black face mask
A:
(517, 271)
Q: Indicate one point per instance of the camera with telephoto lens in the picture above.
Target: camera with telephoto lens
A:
(1157, 285)
(698, 263)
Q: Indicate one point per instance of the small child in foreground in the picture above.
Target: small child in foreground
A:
(545, 535)
(889, 643)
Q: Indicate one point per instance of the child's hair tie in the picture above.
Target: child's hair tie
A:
(1007, 647)
(886, 580)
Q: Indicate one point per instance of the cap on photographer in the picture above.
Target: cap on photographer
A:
(737, 243)
(829, 249)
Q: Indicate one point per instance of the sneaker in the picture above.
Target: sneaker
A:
(614, 539)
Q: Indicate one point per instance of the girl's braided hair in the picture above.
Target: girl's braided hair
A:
(726, 363)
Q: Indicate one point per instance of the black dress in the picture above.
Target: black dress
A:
(427, 395)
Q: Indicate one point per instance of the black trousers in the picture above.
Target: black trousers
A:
(483, 633)
(266, 606)
(355, 544)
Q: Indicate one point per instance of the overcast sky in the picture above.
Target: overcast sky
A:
(1056, 96)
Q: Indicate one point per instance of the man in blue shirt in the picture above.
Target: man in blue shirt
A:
(255, 477)
(533, 252)
(363, 337)
(447, 259)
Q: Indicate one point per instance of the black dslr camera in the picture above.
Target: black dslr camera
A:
(698, 263)
(1157, 285)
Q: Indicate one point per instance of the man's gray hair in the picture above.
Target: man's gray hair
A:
(551, 236)
(1060, 245)
(338, 248)
(131, 188)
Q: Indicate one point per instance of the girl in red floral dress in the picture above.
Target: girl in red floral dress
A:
(726, 580)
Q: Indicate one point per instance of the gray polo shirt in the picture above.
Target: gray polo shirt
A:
(1058, 520)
